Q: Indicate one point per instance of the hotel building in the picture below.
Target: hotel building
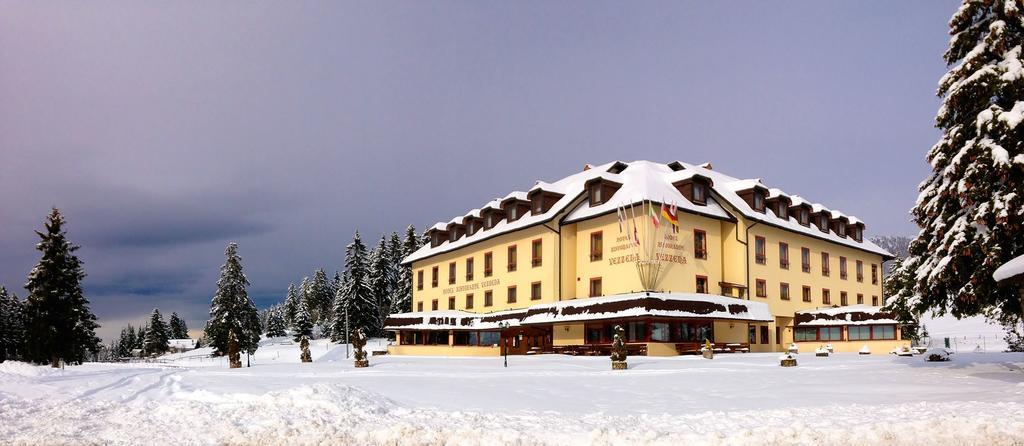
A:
(747, 267)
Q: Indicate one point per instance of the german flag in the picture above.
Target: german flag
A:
(671, 216)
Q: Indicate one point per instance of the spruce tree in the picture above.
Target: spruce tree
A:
(318, 297)
(357, 295)
(275, 325)
(140, 339)
(291, 304)
(380, 280)
(231, 310)
(58, 322)
(971, 208)
(339, 311)
(178, 329)
(302, 330)
(157, 335)
(403, 287)
(11, 326)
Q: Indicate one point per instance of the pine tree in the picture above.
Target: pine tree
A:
(403, 287)
(178, 329)
(357, 295)
(157, 335)
(275, 325)
(302, 330)
(11, 326)
(291, 304)
(58, 322)
(231, 310)
(380, 272)
(971, 208)
(340, 310)
(140, 339)
(318, 296)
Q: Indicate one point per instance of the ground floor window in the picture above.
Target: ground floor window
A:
(805, 334)
(437, 338)
(412, 338)
(871, 332)
(655, 330)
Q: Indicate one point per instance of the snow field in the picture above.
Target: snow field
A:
(549, 399)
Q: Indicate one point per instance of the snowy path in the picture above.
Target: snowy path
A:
(734, 399)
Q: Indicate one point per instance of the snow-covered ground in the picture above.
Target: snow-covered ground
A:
(978, 398)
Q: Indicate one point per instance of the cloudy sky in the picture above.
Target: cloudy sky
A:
(165, 130)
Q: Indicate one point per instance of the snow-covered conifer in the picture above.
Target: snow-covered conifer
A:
(339, 311)
(380, 272)
(971, 208)
(275, 325)
(318, 296)
(58, 322)
(11, 326)
(157, 335)
(231, 310)
(403, 287)
(291, 304)
(302, 330)
(178, 328)
(357, 295)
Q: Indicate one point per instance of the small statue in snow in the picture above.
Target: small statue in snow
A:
(787, 360)
(358, 342)
(793, 348)
(619, 349)
(234, 351)
(936, 355)
(821, 351)
(865, 350)
(708, 350)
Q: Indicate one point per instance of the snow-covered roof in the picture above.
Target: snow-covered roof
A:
(848, 315)
(644, 180)
(181, 343)
(1009, 270)
(452, 320)
(648, 304)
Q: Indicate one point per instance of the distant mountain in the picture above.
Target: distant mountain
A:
(898, 245)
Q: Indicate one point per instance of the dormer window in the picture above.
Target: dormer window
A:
(805, 217)
(758, 201)
(780, 210)
(541, 201)
(841, 229)
(700, 193)
(601, 190)
(823, 222)
(437, 237)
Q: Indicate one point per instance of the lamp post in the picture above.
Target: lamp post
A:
(504, 326)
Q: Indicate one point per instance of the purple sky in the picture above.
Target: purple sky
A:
(165, 130)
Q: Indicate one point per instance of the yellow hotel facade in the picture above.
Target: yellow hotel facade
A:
(553, 269)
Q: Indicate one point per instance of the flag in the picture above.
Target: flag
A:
(654, 215)
(675, 217)
(670, 215)
(619, 212)
(636, 238)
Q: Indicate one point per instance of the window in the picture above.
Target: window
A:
(512, 258)
(783, 255)
(824, 264)
(784, 291)
(537, 252)
(805, 218)
(700, 194)
(842, 267)
(805, 259)
(874, 274)
(451, 303)
(842, 299)
(433, 305)
(860, 299)
(781, 212)
(433, 277)
(764, 335)
(661, 331)
(807, 293)
(535, 291)
(759, 254)
(511, 294)
(488, 264)
(806, 334)
(451, 273)
(823, 223)
(469, 301)
(860, 271)
(841, 227)
(419, 306)
(700, 244)
(419, 279)
(758, 201)
(874, 301)
(871, 332)
(762, 288)
(702, 284)
(826, 297)
(752, 334)
(469, 269)
(595, 287)
(488, 298)
(596, 246)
